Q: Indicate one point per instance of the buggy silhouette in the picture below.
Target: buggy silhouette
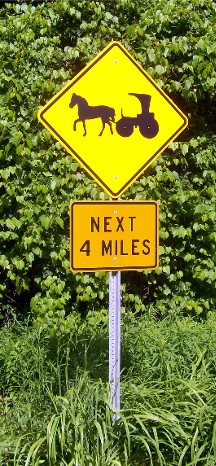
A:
(146, 122)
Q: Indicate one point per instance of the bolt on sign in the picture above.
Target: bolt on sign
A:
(113, 118)
(117, 235)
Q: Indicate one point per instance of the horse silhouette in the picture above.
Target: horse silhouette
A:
(87, 112)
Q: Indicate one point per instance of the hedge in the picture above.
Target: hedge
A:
(43, 46)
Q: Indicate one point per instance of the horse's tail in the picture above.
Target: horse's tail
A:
(114, 115)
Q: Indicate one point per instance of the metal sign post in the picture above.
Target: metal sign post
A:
(114, 236)
(137, 117)
(114, 339)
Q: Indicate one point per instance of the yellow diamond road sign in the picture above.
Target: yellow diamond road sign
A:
(113, 118)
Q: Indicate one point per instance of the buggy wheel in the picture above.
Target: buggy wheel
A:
(124, 127)
(149, 128)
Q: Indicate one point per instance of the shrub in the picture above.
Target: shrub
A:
(43, 46)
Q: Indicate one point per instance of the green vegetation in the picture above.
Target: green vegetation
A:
(42, 48)
(54, 407)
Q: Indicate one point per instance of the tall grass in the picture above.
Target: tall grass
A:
(54, 400)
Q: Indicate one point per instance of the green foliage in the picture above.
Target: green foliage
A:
(54, 401)
(54, 406)
(42, 47)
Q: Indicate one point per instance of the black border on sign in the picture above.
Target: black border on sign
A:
(89, 170)
(114, 269)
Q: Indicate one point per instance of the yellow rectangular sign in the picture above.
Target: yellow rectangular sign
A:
(114, 235)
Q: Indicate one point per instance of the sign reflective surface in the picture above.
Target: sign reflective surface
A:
(117, 235)
(113, 118)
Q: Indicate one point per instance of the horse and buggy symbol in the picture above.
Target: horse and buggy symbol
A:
(145, 120)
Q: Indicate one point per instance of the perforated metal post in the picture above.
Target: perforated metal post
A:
(114, 339)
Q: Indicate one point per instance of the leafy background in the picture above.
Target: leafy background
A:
(54, 401)
(43, 46)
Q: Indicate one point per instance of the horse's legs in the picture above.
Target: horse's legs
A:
(102, 128)
(75, 123)
(110, 125)
(84, 127)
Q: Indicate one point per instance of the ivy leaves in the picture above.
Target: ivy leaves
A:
(44, 46)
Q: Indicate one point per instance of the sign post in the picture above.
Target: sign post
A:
(115, 121)
(116, 235)
(114, 339)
